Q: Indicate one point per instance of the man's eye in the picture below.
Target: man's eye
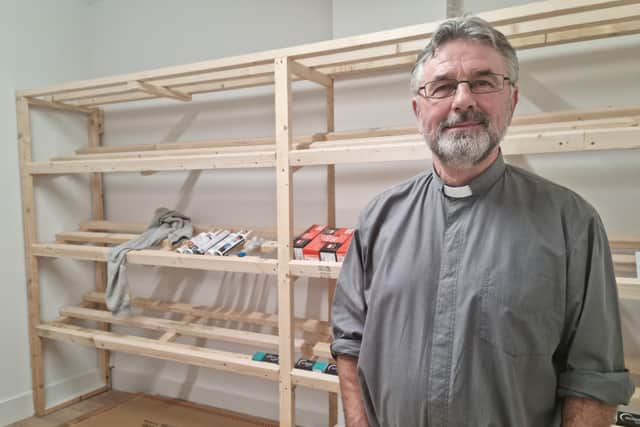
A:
(442, 88)
(482, 83)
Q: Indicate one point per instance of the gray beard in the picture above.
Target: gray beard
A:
(464, 148)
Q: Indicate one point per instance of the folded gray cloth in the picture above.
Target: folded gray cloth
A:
(165, 224)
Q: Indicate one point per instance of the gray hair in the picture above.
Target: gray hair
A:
(466, 27)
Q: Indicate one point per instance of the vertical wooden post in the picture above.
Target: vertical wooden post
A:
(96, 128)
(31, 262)
(285, 234)
(331, 222)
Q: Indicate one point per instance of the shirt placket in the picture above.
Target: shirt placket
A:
(445, 312)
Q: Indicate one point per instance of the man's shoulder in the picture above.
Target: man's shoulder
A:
(549, 192)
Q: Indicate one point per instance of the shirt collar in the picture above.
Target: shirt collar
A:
(478, 185)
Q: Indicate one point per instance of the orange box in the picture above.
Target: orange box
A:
(304, 239)
(311, 251)
(338, 244)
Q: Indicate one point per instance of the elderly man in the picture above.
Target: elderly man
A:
(477, 294)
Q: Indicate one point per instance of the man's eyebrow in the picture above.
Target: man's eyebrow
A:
(442, 77)
(477, 73)
(482, 72)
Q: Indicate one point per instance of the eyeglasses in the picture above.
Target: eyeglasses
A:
(444, 88)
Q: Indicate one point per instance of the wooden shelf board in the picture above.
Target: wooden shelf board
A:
(321, 269)
(414, 148)
(315, 380)
(164, 163)
(192, 355)
(159, 258)
(317, 328)
(181, 328)
(530, 25)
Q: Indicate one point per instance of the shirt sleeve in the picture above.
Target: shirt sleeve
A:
(594, 365)
(349, 308)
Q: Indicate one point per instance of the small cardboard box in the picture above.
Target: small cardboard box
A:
(311, 251)
(336, 249)
(304, 239)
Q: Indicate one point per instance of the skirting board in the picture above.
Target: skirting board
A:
(311, 405)
(17, 407)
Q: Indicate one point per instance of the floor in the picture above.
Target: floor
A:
(69, 413)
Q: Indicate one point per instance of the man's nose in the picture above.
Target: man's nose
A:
(463, 99)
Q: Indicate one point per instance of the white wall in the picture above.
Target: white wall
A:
(40, 43)
(118, 37)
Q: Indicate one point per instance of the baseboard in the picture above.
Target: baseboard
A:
(20, 406)
(310, 405)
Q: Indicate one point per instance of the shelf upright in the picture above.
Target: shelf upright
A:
(331, 222)
(30, 262)
(96, 129)
(284, 185)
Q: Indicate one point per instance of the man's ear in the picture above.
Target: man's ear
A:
(414, 105)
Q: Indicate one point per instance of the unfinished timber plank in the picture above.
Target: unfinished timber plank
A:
(320, 269)
(181, 145)
(310, 74)
(166, 163)
(159, 258)
(197, 356)
(540, 10)
(319, 328)
(29, 229)
(284, 184)
(514, 144)
(181, 328)
(93, 237)
(59, 106)
(331, 222)
(114, 226)
(172, 334)
(315, 380)
(160, 91)
(96, 129)
(162, 153)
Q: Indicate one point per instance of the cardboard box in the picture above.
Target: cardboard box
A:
(304, 239)
(336, 248)
(311, 251)
(154, 411)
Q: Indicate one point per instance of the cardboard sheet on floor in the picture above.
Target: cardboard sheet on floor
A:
(154, 411)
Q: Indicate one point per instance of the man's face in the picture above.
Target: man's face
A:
(463, 129)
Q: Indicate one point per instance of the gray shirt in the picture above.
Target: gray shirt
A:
(480, 306)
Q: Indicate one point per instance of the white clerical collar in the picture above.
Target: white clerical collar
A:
(457, 192)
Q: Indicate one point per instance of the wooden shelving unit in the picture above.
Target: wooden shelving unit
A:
(533, 25)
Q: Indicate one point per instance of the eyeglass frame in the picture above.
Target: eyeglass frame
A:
(423, 88)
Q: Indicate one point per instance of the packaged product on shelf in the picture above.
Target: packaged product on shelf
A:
(304, 239)
(627, 419)
(261, 356)
(331, 369)
(311, 365)
(311, 251)
(251, 246)
(336, 250)
(199, 244)
(326, 244)
(231, 241)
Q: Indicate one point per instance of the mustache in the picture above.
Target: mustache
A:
(466, 116)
